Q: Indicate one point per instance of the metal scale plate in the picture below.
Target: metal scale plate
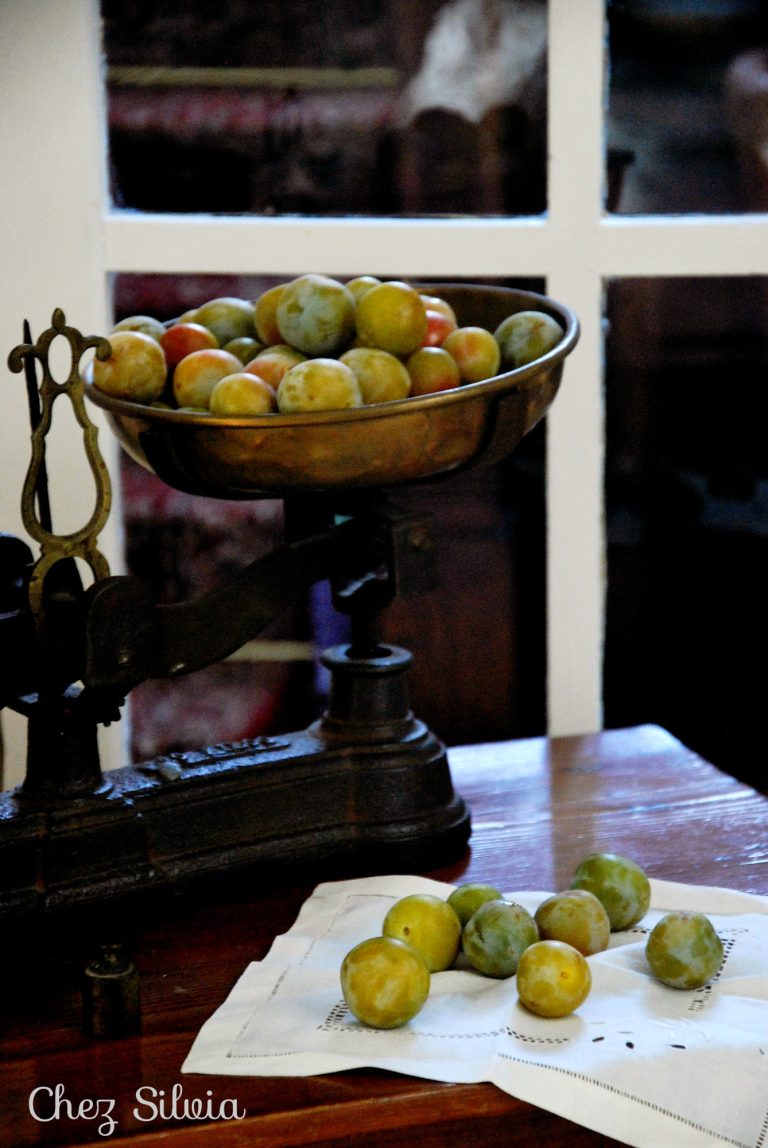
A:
(382, 445)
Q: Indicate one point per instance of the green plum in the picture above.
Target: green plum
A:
(360, 285)
(198, 373)
(496, 935)
(385, 982)
(553, 978)
(526, 336)
(432, 369)
(466, 899)
(275, 362)
(242, 394)
(476, 352)
(683, 950)
(316, 315)
(265, 315)
(318, 385)
(619, 884)
(391, 316)
(136, 367)
(577, 917)
(244, 347)
(381, 376)
(429, 924)
(228, 317)
(145, 324)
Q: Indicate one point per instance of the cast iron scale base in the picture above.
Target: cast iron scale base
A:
(368, 786)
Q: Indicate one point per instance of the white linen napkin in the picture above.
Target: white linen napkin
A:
(638, 1061)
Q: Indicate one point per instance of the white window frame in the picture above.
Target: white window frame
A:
(64, 241)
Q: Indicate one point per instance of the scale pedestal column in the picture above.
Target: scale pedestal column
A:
(369, 695)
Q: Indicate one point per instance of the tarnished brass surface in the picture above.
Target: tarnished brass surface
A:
(81, 543)
(384, 444)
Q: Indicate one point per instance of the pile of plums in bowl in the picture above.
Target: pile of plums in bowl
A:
(314, 344)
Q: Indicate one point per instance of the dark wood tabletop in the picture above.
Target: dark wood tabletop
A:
(538, 806)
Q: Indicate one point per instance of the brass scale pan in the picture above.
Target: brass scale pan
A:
(379, 445)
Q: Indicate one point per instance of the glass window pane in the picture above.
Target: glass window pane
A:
(687, 514)
(688, 118)
(349, 107)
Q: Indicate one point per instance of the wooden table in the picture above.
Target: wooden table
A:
(538, 806)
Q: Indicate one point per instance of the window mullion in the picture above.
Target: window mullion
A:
(575, 426)
(179, 244)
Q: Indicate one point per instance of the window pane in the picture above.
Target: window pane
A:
(687, 514)
(349, 107)
(687, 109)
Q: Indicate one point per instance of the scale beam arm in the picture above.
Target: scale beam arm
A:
(130, 639)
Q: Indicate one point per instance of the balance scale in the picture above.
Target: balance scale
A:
(365, 788)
